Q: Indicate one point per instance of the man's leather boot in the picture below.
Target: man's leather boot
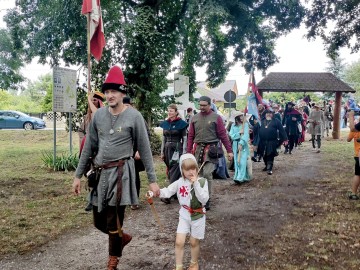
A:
(113, 262)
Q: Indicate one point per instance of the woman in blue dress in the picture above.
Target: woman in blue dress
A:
(239, 134)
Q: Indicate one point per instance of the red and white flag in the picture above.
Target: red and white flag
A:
(97, 38)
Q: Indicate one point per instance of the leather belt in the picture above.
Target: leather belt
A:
(119, 164)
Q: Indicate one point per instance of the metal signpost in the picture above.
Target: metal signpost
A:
(64, 97)
(230, 97)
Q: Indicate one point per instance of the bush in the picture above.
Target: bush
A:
(155, 142)
(65, 162)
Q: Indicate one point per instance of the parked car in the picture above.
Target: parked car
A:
(15, 119)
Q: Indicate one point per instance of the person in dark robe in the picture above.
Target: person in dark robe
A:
(291, 119)
(173, 144)
(272, 135)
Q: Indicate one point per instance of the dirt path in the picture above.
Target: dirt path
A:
(241, 225)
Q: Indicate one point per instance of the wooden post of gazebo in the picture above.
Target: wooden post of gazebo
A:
(337, 110)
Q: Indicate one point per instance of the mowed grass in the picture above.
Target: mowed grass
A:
(37, 204)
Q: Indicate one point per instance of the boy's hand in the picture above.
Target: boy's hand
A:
(193, 178)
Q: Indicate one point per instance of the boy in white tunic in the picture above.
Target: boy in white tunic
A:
(193, 193)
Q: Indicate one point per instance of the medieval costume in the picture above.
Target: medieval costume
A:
(112, 138)
(303, 126)
(239, 134)
(328, 117)
(292, 118)
(174, 140)
(193, 193)
(205, 132)
(272, 135)
(316, 122)
(254, 126)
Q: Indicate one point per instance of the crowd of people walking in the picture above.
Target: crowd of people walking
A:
(248, 139)
(118, 146)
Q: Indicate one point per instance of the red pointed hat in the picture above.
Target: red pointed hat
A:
(114, 80)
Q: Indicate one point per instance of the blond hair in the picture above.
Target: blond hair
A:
(189, 164)
(173, 106)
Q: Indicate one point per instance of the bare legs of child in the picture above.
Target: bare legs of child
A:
(179, 251)
(354, 188)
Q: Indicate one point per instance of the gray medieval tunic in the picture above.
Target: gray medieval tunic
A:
(316, 122)
(129, 131)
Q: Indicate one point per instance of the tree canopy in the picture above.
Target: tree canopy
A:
(336, 22)
(144, 37)
(10, 63)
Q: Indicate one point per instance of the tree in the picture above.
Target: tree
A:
(145, 37)
(14, 102)
(337, 67)
(10, 63)
(343, 17)
(38, 89)
(352, 77)
(6, 100)
(282, 98)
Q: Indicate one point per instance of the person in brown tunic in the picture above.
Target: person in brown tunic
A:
(205, 132)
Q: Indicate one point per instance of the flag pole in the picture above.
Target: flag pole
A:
(246, 99)
(88, 116)
(88, 53)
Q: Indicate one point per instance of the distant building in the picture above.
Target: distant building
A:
(216, 93)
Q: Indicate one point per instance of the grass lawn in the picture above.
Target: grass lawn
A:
(37, 203)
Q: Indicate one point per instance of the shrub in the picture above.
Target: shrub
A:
(155, 142)
(65, 162)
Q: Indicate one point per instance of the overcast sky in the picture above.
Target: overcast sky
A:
(296, 53)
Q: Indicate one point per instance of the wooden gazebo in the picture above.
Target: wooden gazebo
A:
(308, 82)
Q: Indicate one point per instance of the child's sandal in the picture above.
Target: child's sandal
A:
(194, 266)
(353, 197)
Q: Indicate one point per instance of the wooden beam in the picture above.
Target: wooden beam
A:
(337, 110)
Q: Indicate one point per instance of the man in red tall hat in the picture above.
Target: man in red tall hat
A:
(113, 134)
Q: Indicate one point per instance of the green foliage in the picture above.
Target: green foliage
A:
(155, 142)
(146, 36)
(65, 162)
(281, 98)
(342, 17)
(6, 100)
(10, 63)
(241, 103)
(39, 89)
(18, 103)
(352, 77)
(337, 67)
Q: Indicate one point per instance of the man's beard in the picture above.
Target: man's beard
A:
(113, 106)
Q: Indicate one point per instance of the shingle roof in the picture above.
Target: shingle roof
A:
(303, 82)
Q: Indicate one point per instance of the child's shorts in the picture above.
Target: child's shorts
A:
(357, 166)
(196, 228)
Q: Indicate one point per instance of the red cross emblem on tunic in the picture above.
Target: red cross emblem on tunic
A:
(184, 191)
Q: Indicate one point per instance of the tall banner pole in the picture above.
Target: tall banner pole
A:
(88, 115)
(88, 54)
